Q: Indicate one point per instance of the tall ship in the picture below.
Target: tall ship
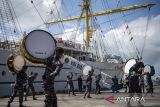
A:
(83, 43)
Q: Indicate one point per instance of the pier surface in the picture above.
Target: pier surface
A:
(96, 101)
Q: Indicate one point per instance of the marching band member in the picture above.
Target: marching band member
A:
(88, 85)
(134, 83)
(51, 71)
(21, 80)
(70, 84)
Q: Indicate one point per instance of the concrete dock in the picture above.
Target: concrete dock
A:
(78, 101)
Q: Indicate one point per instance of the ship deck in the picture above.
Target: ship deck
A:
(78, 101)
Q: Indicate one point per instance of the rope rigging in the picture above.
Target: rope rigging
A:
(16, 19)
(147, 26)
(100, 33)
(37, 11)
(121, 41)
(113, 31)
(127, 28)
(97, 26)
(54, 16)
(139, 55)
(40, 15)
(8, 26)
(129, 31)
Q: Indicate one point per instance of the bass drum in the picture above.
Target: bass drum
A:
(15, 63)
(149, 69)
(128, 65)
(37, 46)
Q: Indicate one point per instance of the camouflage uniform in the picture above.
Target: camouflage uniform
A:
(98, 87)
(51, 71)
(150, 84)
(80, 83)
(30, 86)
(134, 83)
(70, 84)
(21, 80)
(88, 86)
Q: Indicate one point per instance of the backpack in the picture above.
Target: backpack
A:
(152, 70)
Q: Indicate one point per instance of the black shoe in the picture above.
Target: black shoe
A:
(22, 106)
(89, 97)
(34, 98)
(8, 105)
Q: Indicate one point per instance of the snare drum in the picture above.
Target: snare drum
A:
(15, 63)
(37, 46)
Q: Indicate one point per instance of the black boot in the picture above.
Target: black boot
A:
(34, 98)
(8, 105)
(25, 99)
(21, 105)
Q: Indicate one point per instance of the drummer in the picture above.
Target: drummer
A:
(51, 71)
(134, 86)
(88, 85)
(21, 80)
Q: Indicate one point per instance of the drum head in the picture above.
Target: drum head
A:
(86, 70)
(18, 63)
(148, 69)
(37, 46)
(128, 65)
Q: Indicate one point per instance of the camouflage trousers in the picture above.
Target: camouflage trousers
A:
(50, 98)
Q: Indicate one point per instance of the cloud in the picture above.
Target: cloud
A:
(74, 35)
(137, 27)
(29, 18)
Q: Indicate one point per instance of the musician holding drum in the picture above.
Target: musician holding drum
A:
(134, 86)
(53, 67)
(39, 48)
(21, 79)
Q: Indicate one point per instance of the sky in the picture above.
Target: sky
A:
(113, 35)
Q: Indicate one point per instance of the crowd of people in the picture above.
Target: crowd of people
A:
(132, 83)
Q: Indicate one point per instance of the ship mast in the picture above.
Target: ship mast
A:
(86, 7)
